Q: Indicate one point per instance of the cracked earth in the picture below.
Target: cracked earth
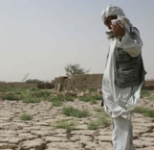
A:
(39, 134)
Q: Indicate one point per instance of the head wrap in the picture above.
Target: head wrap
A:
(111, 10)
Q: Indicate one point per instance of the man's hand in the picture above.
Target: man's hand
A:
(118, 30)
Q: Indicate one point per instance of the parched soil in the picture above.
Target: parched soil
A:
(40, 134)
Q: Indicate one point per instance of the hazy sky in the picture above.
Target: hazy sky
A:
(41, 37)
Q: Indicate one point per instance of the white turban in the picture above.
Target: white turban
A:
(111, 10)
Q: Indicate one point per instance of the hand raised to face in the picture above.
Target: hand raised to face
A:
(119, 30)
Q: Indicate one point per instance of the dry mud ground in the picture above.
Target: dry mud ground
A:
(39, 134)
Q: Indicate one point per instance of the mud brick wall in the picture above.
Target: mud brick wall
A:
(79, 81)
(93, 81)
(148, 84)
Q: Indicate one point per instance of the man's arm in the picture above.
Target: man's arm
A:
(131, 43)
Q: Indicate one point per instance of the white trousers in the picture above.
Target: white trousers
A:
(122, 135)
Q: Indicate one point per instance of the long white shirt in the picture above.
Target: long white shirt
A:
(120, 101)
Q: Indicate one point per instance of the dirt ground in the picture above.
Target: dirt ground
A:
(39, 134)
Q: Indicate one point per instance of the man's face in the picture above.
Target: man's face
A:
(108, 22)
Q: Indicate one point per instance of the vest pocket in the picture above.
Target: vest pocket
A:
(122, 56)
(128, 74)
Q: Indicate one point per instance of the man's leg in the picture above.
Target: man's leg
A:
(122, 134)
(131, 138)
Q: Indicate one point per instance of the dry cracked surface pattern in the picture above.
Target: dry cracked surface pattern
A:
(39, 134)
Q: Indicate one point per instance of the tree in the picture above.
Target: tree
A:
(72, 69)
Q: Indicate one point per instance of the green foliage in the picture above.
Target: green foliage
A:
(41, 94)
(145, 111)
(97, 97)
(69, 98)
(149, 113)
(57, 103)
(28, 95)
(92, 99)
(70, 111)
(57, 97)
(151, 97)
(145, 93)
(26, 117)
(86, 98)
(99, 123)
(57, 100)
(72, 69)
(5, 89)
(11, 96)
(69, 126)
(140, 110)
(102, 120)
(31, 100)
(92, 90)
(93, 125)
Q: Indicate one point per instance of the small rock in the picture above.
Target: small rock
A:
(80, 94)
(87, 92)
(70, 93)
(37, 144)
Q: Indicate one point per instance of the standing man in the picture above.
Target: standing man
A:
(123, 76)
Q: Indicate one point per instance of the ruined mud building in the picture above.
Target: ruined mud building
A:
(79, 81)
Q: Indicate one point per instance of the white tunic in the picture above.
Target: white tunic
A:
(120, 101)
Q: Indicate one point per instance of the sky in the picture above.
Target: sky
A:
(40, 37)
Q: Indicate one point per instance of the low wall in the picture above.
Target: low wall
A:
(17, 85)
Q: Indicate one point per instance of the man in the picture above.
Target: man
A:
(123, 76)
